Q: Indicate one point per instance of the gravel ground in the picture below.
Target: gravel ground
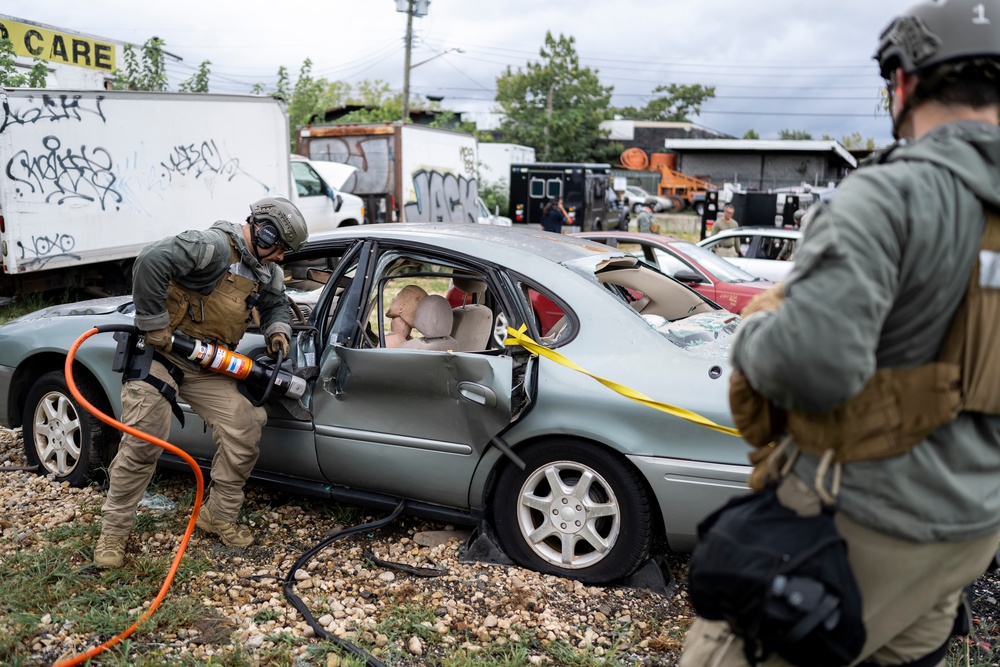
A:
(475, 606)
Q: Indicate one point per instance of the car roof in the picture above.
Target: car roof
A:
(779, 232)
(477, 240)
(638, 236)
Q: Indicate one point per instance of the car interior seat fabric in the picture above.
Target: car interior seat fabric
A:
(472, 321)
(433, 319)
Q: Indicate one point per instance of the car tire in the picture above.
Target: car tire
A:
(500, 329)
(608, 530)
(637, 207)
(62, 438)
(699, 208)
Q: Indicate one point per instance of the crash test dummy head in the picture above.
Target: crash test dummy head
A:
(401, 310)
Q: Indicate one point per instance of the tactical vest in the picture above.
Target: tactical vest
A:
(899, 407)
(222, 316)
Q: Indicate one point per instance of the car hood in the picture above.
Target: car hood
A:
(334, 173)
(80, 308)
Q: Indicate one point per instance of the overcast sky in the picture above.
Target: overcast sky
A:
(780, 64)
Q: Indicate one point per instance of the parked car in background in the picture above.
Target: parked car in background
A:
(636, 196)
(707, 273)
(766, 252)
(484, 217)
(603, 476)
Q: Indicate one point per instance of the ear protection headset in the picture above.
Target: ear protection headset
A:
(267, 236)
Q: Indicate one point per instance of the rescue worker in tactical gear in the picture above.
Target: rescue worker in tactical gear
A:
(877, 366)
(204, 284)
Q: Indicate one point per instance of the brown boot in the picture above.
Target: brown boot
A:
(231, 533)
(110, 550)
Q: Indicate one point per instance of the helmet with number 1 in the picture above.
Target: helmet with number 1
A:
(286, 218)
(941, 32)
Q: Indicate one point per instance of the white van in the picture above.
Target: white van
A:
(319, 196)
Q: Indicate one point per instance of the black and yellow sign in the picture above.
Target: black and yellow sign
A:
(32, 41)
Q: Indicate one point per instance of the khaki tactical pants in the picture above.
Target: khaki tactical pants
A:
(236, 427)
(909, 592)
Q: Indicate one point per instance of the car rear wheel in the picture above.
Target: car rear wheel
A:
(62, 438)
(699, 208)
(575, 511)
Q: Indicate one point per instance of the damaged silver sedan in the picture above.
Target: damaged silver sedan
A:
(573, 477)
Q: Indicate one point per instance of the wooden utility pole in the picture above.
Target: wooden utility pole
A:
(406, 66)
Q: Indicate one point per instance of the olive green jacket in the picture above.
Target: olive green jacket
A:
(879, 276)
(197, 260)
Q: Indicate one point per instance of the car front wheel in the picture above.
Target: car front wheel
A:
(575, 511)
(60, 437)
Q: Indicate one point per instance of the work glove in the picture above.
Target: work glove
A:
(160, 338)
(278, 341)
(768, 300)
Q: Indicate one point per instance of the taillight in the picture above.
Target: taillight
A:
(3, 225)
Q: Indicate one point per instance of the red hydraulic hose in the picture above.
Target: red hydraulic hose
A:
(159, 443)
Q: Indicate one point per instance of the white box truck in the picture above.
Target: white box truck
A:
(495, 160)
(92, 177)
(405, 172)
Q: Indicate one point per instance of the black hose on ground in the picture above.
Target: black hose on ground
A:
(289, 583)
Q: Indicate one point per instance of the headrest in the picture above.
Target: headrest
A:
(469, 285)
(433, 317)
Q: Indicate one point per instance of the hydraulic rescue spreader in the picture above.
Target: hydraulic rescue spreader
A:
(221, 360)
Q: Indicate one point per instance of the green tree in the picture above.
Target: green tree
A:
(855, 140)
(789, 135)
(678, 104)
(554, 104)
(751, 134)
(198, 83)
(305, 98)
(11, 78)
(147, 73)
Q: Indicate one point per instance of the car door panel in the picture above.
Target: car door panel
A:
(398, 421)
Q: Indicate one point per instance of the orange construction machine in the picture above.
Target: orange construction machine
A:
(683, 189)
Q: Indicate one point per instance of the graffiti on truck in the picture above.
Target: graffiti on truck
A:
(371, 155)
(440, 194)
(46, 108)
(196, 160)
(44, 246)
(442, 197)
(63, 174)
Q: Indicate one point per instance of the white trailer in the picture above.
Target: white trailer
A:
(405, 172)
(495, 160)
(91, 177)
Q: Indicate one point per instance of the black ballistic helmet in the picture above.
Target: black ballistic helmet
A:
(939, 32)
(285, 216)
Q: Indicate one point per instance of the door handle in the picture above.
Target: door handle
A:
(478, 393)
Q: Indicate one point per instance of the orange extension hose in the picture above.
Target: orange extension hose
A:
(194, 513)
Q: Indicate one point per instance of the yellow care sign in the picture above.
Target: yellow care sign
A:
(33, 41)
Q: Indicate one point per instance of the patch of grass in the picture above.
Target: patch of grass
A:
(406, 620)
(571, 656)
(57, 579)
(493, 656)
(28, 303)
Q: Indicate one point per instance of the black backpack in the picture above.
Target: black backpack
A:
(781, 581)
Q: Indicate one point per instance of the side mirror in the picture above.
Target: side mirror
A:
(338, 201)
(687, 276)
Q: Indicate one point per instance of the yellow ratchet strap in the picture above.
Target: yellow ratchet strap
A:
(520, 337)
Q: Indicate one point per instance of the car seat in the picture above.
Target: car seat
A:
(472, 321)
(433, 319)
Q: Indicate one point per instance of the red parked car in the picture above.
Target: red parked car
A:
(710, 275)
